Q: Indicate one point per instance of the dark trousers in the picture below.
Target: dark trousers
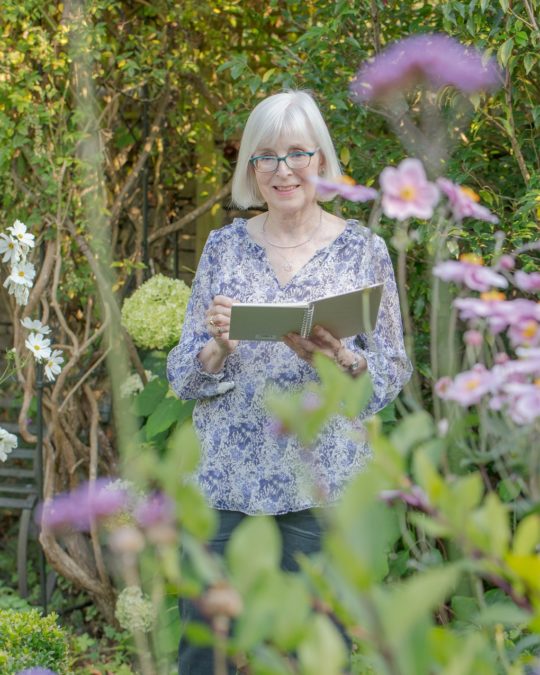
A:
(300, 532)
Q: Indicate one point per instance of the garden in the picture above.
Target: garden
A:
(120, 124)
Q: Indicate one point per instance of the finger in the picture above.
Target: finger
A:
(324, 337)
(223, 300)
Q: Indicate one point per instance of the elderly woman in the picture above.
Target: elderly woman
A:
(294, 251)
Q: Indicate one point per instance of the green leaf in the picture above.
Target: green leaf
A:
(254, 549)
(413, 430)
(345, 155)
(323, 650)
(529, 62)
(149, 398)
(504, 4)
(505, 51)
(164, 416)
(527, 536)
(505, 613)
(183, 447)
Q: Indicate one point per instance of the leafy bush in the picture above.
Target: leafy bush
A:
(154, 314)
(29, 640)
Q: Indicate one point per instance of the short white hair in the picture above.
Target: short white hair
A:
(290, 113)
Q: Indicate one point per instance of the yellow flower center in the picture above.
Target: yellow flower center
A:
(537, 382)
(407, 193)
(471, 258)
(530, 330)
(492, 296)
(11, 245)
(37, 348)
(471, 194)
(347, 180)
(21, 273)
(472, 384)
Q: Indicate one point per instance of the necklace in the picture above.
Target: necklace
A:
(287, 265)
(302, 243)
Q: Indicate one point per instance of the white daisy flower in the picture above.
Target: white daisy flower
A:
(22, 274)
(19, 232)
(35, 325)
(10, 248)
(21, 294)
(39, 346)
(52, 364)
(7, 443)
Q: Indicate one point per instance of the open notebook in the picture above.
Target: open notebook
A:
(343, 315)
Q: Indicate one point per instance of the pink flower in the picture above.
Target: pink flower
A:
(470, 271)
(523, 402)
(469, 387)
(407, 192)
(433, 58)
(464, 202)
(506, 262)
(89, 503)
(344, 187)
(530, 283)
(525, 332)
(473, 338)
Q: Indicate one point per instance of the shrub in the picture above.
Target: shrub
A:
(154, 314)
(29, 640)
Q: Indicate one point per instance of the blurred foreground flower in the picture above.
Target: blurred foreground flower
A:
(344, 187)
(470, 270)
(8, 442)
(433, 59)
(89, 503)
(407, 192)
(134, 610)
(36, 671)
(464, 202)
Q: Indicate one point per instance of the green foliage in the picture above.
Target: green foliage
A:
(29, 640)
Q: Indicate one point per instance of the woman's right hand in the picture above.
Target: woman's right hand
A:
(218, 321)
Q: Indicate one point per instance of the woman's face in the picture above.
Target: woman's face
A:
(289, 190)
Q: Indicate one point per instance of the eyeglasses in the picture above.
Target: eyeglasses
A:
(298, 159)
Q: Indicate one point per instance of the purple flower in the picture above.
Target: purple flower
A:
(464, 202)
(36, 671)
(468, 388)
(530, 283)
(344, 187)
(157, 509)
(473, 338)
(470, 271)
(525, 332)
(523, 402)
(506, 262)
(89, 503)
(407, 192)
(435, 59)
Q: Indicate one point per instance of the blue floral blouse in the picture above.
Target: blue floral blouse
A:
(245, 466)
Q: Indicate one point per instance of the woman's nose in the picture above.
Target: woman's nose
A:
(283, 168)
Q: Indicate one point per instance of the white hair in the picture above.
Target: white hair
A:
(290, 113)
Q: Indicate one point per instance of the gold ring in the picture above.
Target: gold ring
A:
(211, 322)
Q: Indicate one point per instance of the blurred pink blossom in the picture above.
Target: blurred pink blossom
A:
(469, 387)
(523, 402)
(407, 192)
(530, 283)
(506, 262)
(525, 332)
(464, 202)
(470, 271)
(344, 187)
(89, 503)
(473, 338)
(435, 59)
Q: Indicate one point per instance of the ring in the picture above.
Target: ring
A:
(220, 330)
(211, 322)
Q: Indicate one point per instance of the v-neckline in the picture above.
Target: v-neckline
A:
(282, 287)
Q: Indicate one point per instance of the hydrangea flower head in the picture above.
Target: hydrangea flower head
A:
(8, 442)
(154, 314)
(134, 610)
(345, 187)
(407, 192)
(433, 59)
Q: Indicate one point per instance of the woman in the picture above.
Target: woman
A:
(294, 251)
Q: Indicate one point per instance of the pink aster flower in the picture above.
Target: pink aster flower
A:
(469, 387)
(464, 202)
(157, 509)
(344, 187)
(473, 338)
(89, 503)
(435, 59)
(525, 332)
(469, 270)
(523, 402)
(506, 262)
(407, 191)
(530, 283)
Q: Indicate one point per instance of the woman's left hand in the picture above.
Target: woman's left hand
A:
(324, 342)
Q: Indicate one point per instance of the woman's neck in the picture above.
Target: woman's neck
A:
(286, 226)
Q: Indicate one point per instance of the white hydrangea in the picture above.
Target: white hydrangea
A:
(8, 442)
(134, 610)
(133, 384)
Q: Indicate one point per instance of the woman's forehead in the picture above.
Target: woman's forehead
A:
(285, 142)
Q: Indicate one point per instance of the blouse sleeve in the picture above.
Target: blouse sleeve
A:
(383, 349)
(184, 370)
